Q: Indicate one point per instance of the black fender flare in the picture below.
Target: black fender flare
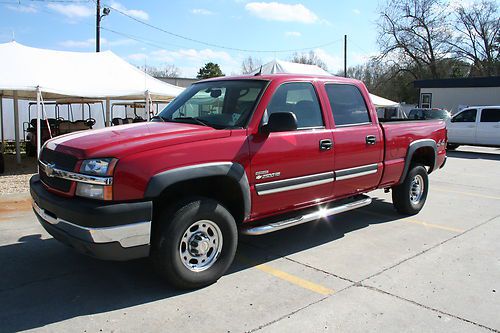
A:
(159, 182)
(414, 146)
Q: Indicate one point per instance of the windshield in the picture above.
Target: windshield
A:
(218, 104)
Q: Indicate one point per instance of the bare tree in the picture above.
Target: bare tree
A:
(250, 64)
(414, 34)
(310, 58)
(168, 70)
(478, 30)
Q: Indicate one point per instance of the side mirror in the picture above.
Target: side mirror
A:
(280, 122)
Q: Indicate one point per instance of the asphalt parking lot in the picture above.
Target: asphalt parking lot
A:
(366, 270)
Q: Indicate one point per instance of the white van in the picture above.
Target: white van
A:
(475, 126)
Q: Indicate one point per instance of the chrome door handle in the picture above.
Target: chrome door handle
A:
(325, 144)
(371, 139)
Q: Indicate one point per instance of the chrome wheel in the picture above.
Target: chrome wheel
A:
(416, 189)
(201, 245)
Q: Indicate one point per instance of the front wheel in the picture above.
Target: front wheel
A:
(409, 196)
(451, 146)
(196, 243)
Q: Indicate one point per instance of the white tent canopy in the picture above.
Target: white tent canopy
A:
(62, 74)
(381, 102)
(279, 66)
(32, 73)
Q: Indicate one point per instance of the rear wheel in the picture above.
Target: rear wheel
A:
(196, 243)
(409, 196)
(451, 146)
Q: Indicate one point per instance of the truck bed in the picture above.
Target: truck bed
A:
(398, 137)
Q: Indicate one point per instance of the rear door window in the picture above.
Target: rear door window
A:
(490, 115)
(347, 104)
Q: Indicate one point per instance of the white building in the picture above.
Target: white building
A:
(456, 94)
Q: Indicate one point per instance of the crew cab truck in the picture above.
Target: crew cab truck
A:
(250, 155)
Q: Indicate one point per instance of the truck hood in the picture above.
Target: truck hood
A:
(123, 140)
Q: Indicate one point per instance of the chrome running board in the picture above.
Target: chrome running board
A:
(361, 201)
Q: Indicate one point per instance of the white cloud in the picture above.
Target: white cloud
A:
(137, 56)
(137, 13)
(356, 11)
(23, 8)
(275, 11)
(72, 11)
(293, 34)
(333, 62)
(201, 11)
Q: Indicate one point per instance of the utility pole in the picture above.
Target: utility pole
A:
(98, 18)
(345, 55)
(98, 26)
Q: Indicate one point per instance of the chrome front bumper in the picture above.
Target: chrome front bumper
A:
(127, 235)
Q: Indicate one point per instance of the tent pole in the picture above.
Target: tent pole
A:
(1, 124)
(148, 106)
(16, 128)
(38, 122)
(108, 113)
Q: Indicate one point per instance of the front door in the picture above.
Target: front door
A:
(488, 128)
(292, 169)
(358, 141)
(462, 127)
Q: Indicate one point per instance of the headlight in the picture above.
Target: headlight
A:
(101, 192)
(98, 167)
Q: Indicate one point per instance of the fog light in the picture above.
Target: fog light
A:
(92, 191)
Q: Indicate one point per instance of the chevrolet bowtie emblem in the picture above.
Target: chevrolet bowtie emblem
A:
(49, 170)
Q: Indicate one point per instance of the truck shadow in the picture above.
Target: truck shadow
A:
(43, 282)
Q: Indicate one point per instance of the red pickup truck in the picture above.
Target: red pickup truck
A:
(250, 155)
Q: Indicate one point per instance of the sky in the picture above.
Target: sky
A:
(190, 33)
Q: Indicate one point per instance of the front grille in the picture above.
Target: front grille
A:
(60, 161)
(56, 183)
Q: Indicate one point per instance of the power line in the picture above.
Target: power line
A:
(218, 45)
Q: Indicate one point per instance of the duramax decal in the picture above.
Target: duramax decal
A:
(264, 174)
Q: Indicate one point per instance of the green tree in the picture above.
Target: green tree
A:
(209, 70)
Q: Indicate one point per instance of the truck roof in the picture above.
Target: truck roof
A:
(285, 77)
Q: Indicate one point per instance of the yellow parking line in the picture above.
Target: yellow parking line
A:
(295, 280)
(468, 193)
(436, 226)
(430, 225)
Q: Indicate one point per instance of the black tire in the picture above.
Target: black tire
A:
(2, 163)
(401, 196)
(175, 224)
(30, 149)
(451, 146)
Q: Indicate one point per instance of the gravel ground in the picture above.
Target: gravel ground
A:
(16, 177)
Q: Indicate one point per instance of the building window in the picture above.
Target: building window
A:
(426, 101)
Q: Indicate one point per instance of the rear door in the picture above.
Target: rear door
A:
(462, 127)
(358, 141)
(292, 169)
(488, 128)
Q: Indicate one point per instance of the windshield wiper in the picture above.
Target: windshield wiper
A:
(158, 117)
(193, 119)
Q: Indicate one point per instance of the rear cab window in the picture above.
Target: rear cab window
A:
(348, 105)
(490, 115)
